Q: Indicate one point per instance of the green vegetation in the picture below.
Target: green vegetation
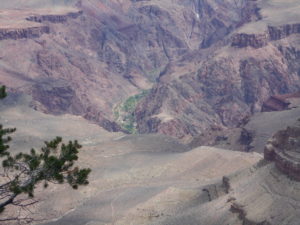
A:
(130, 104)
(21, 173)
(124, 113)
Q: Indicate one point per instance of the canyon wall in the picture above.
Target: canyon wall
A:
(228, 86)
(200, 72)
(30, 32)
(90, 61)
(54, 18)
(283, 149)
(273, 33)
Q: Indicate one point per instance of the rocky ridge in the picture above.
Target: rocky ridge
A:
(273, 33)
(14, 26)
(182, 50)
(54, 18)
(30, 32)
(231, 84)
(283, 149)
(119, 50)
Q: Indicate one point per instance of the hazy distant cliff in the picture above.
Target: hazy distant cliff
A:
(89, 58)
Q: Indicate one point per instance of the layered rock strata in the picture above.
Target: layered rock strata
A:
(273, 33)
(280, 32)
(180, 49)
(284, 150)
(279, 102)
(30, 32)
(243, 40)
(54, 18)
(21, 30)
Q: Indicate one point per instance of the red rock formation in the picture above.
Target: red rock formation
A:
(275, 103)
(278, 102)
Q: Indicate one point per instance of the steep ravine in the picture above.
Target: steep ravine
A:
(94, 57)
(204, 69)
(227, 87)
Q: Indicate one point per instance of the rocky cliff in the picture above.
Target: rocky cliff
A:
(109, 51)
(280, 32)
(273, 33)
(54, 18)
(230, 85)
(222, 92)
(14, 25)
(191, 54)
(243, 40)
(19, 33)
(283, 149)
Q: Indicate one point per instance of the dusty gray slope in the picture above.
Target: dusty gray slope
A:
(264, 125)
(252, 136)
(131, 184)
(259, 196)
(138, 187)
(139, 177)
(35, 3)
(34, 127)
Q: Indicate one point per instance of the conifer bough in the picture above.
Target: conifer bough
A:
(21, 173)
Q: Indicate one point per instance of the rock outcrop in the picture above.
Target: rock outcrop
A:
(280, 32)
(273, 33)
(279, 102)
(275, 103)
(112, 51)
(223, 91)
(54, 18)
(284, 149)
(180, 50)
(21, 29)
(21, 33)
(231, 84)
(243, 40)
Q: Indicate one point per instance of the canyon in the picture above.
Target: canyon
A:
(188, 110)
(201, 62)
(154, 179)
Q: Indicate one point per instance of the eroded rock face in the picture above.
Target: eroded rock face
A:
(280, 32)
(280, 102)
(223, 91)
(54, 18)
(107, 51)
(21, 33)
(284, 150)
(250, 40)
(273, 33)
(231, 84)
